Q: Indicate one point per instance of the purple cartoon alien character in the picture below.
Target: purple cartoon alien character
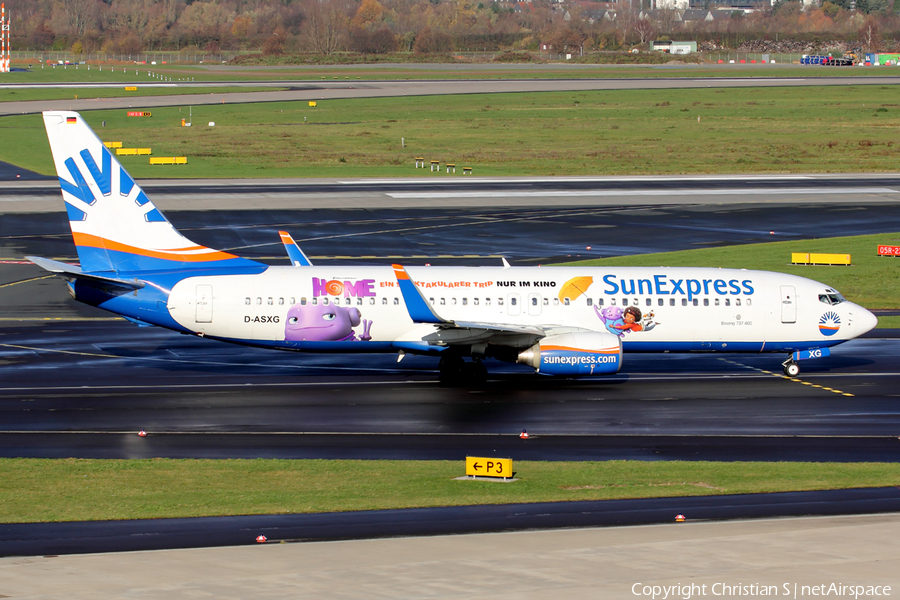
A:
(612, 318)
(619, 321)
(324, 323)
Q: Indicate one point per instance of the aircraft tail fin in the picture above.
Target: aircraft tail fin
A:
(115, 226)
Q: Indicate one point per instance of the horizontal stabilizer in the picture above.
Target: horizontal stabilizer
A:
(71, 272)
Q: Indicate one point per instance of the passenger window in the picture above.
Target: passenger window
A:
(590, 302)
(359, 301)
(684, 301)
(347, 301)
(727, 301)
(556, 302)
(475, 301)
(259, 301)
(293, 303)
(546, 301)
(487, 301)
(453, 301)
(315, 301)
(534, 301)
(706, 302)
(247, 301)
(465, 302)
(499, 301)
(566, 301)
(649, 302)
(748, 301)
(696, 302)
(281, 302)
(302, 301)
(396, 301)
(612, 301)
(372, 301)
(624, 301)
(384, 301)
(717, 302)
(599, 301)
(513, 302)
(271, 301)
(443, 301)
(431, 301)
(737, 301)
(661, 302)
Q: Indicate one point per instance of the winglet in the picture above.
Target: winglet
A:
(298, 259)
(419, 309)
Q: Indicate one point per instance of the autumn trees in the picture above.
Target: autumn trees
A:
(421, 26)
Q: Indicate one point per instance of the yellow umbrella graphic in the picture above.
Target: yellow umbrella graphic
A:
(575, 287)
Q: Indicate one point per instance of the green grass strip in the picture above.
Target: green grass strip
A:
(614, 132)
(29, 94)
(39, 490)
(872, 281)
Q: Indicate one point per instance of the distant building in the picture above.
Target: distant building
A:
(674, 47)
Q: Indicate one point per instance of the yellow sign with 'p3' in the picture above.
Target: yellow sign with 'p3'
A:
(477, 466)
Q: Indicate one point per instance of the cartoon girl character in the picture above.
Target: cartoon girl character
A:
(632, 319)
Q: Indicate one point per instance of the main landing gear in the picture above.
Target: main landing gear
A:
(456, 371)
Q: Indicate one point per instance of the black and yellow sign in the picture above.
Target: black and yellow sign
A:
(489, 467)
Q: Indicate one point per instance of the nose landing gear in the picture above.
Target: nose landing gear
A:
(791, 369)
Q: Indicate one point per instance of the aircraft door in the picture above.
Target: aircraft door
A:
(788, 304)
(534, 304)
(512, 305)
(204, 304)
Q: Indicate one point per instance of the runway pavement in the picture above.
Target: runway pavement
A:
(319, 90)
(78, 384)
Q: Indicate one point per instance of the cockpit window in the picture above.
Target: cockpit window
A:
(832, 298)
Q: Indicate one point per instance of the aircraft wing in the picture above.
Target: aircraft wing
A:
(470, 332)
(71, 272)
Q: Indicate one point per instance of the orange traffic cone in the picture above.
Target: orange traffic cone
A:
(524, 435)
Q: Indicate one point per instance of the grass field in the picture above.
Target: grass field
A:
(412, 70)
(775, 130)
(64, 490)
(29, 94)
(872, 281)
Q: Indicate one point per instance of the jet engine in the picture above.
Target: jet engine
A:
(575, 354)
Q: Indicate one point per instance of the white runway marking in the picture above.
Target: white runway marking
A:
(682, 192)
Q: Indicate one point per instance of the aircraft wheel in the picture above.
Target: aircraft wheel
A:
(791, 369)
(450, 367)
(473, 373)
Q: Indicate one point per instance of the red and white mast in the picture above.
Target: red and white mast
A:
(4, 40)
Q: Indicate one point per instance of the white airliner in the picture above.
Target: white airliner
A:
(567, 321)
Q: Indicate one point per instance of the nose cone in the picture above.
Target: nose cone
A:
(863, 320)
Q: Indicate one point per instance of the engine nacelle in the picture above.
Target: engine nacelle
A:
(571, 354)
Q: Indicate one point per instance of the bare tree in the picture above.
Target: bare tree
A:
(325, 27)
(644, 30)
(868, 35)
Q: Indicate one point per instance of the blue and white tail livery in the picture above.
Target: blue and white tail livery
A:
(115, 225)
(566, 321)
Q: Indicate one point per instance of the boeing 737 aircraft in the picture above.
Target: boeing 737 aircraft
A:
(566, 321)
